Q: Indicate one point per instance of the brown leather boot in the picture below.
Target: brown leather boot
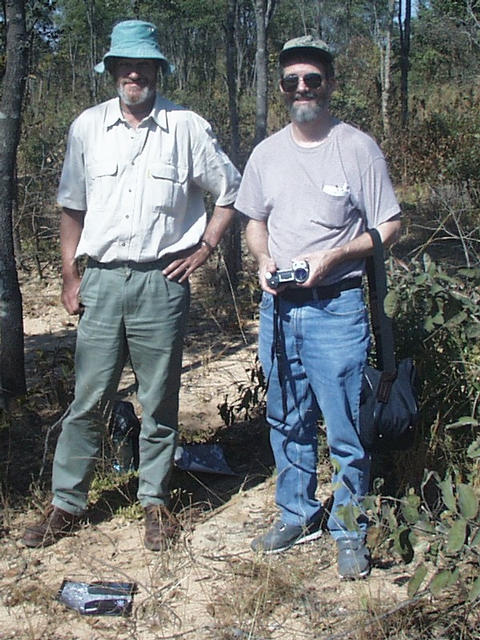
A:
(55, 524)
(161, 526)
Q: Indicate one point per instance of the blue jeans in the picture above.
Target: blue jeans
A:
(322, 348)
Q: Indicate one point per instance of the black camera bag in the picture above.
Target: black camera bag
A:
(388, 402)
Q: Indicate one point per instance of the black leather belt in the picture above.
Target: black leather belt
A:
(299, 295)
(160, 264)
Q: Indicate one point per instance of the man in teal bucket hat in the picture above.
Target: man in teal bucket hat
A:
(131, 193)
(134, 39)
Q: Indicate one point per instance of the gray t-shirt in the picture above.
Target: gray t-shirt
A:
(317, 198)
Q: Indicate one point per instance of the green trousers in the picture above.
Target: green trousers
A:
(131, 309)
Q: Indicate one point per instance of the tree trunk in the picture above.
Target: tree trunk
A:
(231, 68)
(386, 69)
(232, 245)
(404, 26)
(261, 69)
(92, 23)
(12, 370)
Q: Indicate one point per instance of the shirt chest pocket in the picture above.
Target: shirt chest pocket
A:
(168, 185)
(102, 179)
(334, 208)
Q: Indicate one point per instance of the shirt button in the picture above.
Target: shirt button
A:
(127, 216)
(123, 244)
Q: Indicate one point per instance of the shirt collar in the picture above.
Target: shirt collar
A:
(112, 113)
(158, 113)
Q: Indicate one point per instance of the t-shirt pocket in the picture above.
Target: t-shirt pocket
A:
(334, 209)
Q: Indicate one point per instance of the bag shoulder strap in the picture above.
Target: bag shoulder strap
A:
(381, 323)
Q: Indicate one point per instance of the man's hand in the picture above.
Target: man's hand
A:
(70, 299)
(320, 263)
(190, 259)
(256, 234)
(71, 225)
(267, 265)
(187, 262)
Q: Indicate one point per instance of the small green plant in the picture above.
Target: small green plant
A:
(436, 319)
(250, 398)
(443, 542)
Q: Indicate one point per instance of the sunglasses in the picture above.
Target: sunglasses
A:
(311, 80)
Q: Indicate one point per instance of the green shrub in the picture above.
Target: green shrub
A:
(437, 322)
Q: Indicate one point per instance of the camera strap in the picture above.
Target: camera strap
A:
(278, 352)
(377, 288)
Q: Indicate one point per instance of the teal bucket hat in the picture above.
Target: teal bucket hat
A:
(135, 39)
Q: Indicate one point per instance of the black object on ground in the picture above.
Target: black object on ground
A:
(98, 598)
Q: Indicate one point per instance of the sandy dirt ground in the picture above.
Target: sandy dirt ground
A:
(209, 585)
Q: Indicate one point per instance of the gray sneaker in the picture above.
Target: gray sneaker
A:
(353, 558)
(281, 536)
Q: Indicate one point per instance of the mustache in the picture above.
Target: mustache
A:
(304, 94)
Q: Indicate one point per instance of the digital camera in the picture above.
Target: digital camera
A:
(298, 273)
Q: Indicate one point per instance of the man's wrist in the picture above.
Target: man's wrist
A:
(205, 243)
(264, 262)
(70, 274)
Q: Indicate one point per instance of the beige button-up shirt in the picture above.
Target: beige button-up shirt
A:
(142, 189)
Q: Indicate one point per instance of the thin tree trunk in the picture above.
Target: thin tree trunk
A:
(231, 59)
(232, 246)
(91, 20)
(386, 70)
(261, 68)
(12, 370)
(72, 49)
(404, 56)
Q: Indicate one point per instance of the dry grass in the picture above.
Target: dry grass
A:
(209, 586)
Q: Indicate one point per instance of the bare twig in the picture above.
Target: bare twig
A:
(234, 300)
(50, 430)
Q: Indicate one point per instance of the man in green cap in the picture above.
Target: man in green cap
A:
(131, 194)
(310, 191)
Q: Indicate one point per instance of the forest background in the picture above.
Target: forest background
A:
(409, 75)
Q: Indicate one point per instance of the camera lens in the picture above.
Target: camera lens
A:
(301, 274)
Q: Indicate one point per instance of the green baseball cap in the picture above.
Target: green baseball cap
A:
(135, 39)
(306, 45)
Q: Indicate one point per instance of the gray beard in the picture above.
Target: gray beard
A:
(305, 113)
(145, 94)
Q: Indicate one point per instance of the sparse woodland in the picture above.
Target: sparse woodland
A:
(408, 73)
